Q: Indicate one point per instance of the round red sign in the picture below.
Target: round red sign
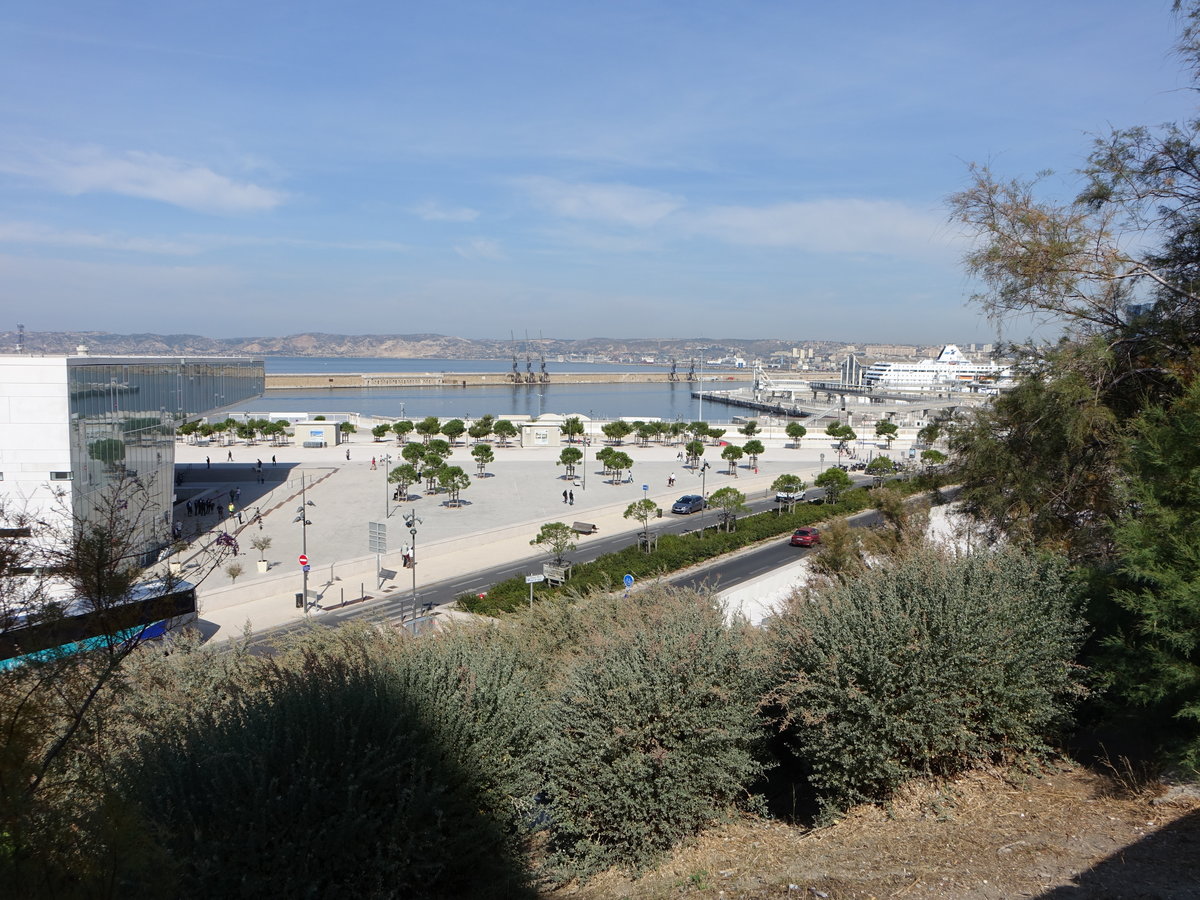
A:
(303, 560)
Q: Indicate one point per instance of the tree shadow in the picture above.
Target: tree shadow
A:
(331, 781)
(1164, 865)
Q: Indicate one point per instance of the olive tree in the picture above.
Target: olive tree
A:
(569, 457)
(557, 539)
(730, 501)
(483, 455)
(796, 432)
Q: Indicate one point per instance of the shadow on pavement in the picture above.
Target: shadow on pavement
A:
(1164, 865)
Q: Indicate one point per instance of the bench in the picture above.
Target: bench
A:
(314, 444)
(584, 528)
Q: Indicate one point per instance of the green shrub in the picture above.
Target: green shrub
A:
(925, 668)
(655, 732)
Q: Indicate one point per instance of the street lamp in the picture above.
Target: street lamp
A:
(387, 486)
(302, 518)
(412, 522)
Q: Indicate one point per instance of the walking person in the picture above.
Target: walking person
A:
(564, 496)
(272, 459)
(347, 453)
(229, 456)
(188, 507)
(571, 497)
(208, 462)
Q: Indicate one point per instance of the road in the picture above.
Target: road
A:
(725, 572)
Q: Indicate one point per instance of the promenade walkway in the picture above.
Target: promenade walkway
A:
(500, 513)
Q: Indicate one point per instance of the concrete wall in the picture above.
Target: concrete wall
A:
(34, 433)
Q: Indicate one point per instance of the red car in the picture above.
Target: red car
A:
(806, 537)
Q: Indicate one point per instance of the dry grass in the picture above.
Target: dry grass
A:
(985, 835)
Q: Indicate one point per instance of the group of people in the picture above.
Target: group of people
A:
(201, 507)
(569, 497)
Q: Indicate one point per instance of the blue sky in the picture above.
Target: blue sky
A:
(653, 169)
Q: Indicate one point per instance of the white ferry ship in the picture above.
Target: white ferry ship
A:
(950, 371)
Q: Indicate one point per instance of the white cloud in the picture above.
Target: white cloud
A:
(432, 211)
(620, 204)
(481, 248)
(828, 226)
(151, 176)
(31, 233)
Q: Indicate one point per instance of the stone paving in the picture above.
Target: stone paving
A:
(500, 513)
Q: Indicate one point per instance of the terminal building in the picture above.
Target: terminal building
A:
(72, 426)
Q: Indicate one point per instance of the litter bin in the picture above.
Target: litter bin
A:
(659, 512)
(300, 601)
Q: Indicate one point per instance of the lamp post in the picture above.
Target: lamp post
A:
(585, 446)
(412, 522)
(302, 518)
(387, 486)
(703, 494)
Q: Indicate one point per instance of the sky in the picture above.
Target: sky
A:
(565, 169)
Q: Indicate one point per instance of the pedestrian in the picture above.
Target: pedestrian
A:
(564, 496)
(232, 508)
(347, 453)
(671, 480)
(272, 459)
(571, 496)
(406, 555)
(260, 465)
(229, 457)
(231, 495)
(237, 494)
(188, 507)
(239, 515)
(372, 464)
(208, 462)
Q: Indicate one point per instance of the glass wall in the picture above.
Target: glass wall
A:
(123, 420)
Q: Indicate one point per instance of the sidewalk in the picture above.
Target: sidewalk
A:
(501, 513)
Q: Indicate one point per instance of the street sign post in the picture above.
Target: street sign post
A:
(531, 580)
(628, 579)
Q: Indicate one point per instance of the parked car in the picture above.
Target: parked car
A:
(805, 537)
(790, 496)
(689, 503)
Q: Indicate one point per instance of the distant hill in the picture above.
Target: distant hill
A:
(408, 346)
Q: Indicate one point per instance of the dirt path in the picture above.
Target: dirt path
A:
(1068, 835)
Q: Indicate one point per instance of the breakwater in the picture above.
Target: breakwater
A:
(361, 380)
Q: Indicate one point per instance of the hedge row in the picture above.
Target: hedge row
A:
(673, 552)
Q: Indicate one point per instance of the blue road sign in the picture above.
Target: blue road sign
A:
(628, 581)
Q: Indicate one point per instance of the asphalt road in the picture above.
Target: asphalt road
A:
(726, 572)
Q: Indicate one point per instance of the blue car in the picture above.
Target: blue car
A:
(689, 503)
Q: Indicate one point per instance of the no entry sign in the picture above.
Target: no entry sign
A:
(303, 560)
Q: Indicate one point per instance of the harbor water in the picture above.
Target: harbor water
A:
(669, 401)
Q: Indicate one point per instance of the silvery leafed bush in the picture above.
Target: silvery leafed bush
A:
(927, 666)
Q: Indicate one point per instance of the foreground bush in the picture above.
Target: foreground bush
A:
(655, 732)
(927, 668)
(333, 776)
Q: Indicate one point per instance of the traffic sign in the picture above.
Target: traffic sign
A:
(306, 567)
(534, 579)
(303, 560)
(628, 579)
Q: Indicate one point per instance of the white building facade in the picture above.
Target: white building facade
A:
(70, 426)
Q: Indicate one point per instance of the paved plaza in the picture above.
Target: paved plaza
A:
(500, 513)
